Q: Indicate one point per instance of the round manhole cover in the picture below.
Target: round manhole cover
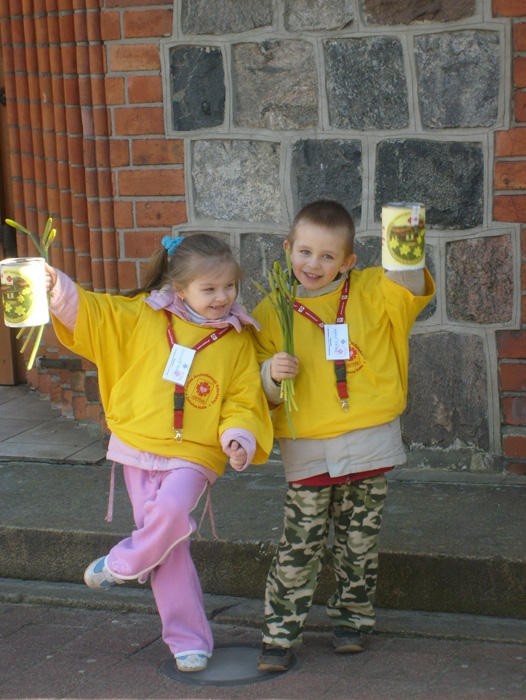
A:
(229, 665)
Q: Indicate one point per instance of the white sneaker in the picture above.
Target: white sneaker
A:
(97, 575)
(193, 661)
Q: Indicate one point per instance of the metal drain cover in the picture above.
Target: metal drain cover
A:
(229, 665)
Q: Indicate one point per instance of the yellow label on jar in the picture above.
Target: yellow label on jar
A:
(403, 236)
(24, 298)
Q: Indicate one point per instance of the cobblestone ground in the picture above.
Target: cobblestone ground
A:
(59, 652)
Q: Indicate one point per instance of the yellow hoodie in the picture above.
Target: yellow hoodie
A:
(379, 314)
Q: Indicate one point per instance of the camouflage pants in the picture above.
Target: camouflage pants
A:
(355, 510)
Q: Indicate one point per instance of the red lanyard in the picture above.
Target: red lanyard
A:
(179, 388)
(339, 365)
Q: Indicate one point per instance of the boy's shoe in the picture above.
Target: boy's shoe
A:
(347, 641)
(191, 662)
(273, 658)
(97, 575)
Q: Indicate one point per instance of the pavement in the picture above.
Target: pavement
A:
(451, 595)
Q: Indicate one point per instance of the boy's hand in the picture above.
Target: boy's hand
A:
(51, 278)
(283, 366)
(236, 454)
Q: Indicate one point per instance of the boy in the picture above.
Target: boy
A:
(347, 425)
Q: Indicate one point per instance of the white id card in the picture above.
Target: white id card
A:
(179, 363)
(337, 341)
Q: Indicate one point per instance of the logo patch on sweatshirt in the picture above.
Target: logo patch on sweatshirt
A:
(356, 360)
(202, 390)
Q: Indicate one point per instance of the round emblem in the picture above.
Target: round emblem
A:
(355, 361)
(202, 390)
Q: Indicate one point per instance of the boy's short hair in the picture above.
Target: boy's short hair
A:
(325, 212)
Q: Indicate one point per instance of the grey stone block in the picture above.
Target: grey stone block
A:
(366, 84)
(275, 85)
(197, 87)
(224, 16)
(479, 279)
(448, 177)
(258, 253)
(327, 169)
(458, 78)
(236, 180)
(447, 402)
(412, 11)
(305, 15)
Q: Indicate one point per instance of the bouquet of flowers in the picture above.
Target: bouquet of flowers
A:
(282, 295)
(42, 244)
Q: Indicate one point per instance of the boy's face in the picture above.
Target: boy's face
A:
(319, 254)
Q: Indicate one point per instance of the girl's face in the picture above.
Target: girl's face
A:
(319, 254)
(211, 294)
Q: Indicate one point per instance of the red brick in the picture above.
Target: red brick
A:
(137, 3)
(110, 25)
(512, 376)
(143, 183)
(510, 143)
(147, 23)
(139, 120)
(119, 152)
(157, 151)
(160, 213)
(127, 275)
(519, 37)
(509, 208)
(514, 446)
(115, 90)
(509, 8)
(510, 175)
(145, 88)
(519, 71)
(141, 244)
(517, 468)
(520, 106)
(134, 57)
(511, 344)
(514, 410)
(123, 214)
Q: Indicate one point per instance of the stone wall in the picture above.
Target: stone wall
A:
(370, 102)
(129, 119)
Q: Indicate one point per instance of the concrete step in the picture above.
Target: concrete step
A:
(451, 542)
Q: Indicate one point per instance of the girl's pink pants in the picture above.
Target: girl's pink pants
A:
(160, 547)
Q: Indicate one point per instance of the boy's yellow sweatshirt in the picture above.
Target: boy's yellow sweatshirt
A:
(379, 314)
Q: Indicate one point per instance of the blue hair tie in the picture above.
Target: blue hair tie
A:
(171, 244)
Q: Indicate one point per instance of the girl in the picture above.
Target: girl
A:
(180, 387)
(347, 425)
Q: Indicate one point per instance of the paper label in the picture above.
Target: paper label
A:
(336, 341)
(179, 363)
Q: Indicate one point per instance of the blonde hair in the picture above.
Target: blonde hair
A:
(196, 254)
(328, 213)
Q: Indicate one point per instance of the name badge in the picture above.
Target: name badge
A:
(179, 363)
(337, 341)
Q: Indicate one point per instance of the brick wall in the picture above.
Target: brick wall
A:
(509, 204)
(88, 148)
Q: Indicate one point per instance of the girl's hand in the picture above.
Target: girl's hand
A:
(283, 366)
(237, 455)
(51, 278)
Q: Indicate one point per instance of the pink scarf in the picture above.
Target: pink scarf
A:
(166, 298)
